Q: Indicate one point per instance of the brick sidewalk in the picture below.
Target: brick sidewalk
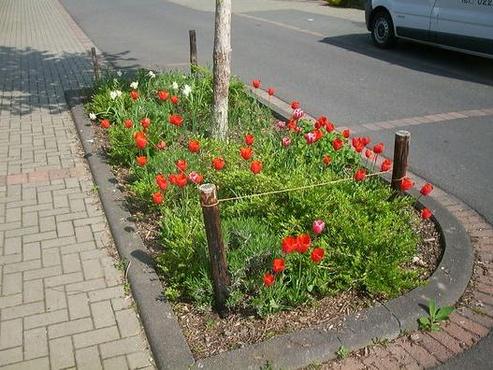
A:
(62, 301)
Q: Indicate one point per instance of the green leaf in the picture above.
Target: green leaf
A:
(432, 308)
(444, 312)
(424, 322)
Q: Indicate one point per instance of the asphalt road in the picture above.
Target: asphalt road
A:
(330, 65)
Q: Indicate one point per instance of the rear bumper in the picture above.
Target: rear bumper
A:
(368, 9)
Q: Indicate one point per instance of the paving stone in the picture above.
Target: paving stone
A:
(107, 293)
(51, 257)
(61, 353)
(88, 359)
(137, 360)
(55, 299)
(44, 319)
(10, 333)
(128, 323)
(115, 363)
(8, 356)
(86, 286)
(43, 272)
(22, 266)
(31, 251)
(12, 283)
(102, 314)
(70, 327)
(93, 269)
(78, 305)
(120, 347)
(10, 300)
(95, 337)
(21, 311)
(33, 291)
(71, 263)
(36, 364)
(35, 343)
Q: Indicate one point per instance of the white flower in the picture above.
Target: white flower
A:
(134, 85)
(151, 74)
(174, 85)
(186, 90)
(119, 73)
(92, 116)
(115, 94)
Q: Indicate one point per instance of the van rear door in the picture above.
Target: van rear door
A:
(465, 24)
(412, 18)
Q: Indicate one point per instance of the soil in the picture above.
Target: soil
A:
(207, 334)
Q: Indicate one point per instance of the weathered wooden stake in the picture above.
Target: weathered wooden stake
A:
(193, 50)
(217, 255)
(401, 151)
(95, 64)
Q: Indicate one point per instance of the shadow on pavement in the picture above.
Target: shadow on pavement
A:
(420, 57)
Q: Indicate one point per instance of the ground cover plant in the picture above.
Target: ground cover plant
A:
(284, 249)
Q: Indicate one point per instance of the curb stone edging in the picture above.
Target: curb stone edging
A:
(291, 351)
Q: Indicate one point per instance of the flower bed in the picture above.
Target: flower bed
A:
(285, 250)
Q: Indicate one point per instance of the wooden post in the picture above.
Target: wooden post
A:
(401, 151)
(95, 64)
(217, 255)
(193, 50)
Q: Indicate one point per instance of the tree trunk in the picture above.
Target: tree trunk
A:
(222, 69)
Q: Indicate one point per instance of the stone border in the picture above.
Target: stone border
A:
(294, 350)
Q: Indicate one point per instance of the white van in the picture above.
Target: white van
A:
(463, 25)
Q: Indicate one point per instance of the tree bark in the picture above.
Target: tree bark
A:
(222, 68)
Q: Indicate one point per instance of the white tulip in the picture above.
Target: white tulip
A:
(151, 74)
(174, 85)
(113, 95)
(92, 116)
(134, 85)
(187, 90)
(119, 73)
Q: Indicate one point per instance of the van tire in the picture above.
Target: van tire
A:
(382, 30)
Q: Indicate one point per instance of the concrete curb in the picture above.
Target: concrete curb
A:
(289, 351)
(167, 342)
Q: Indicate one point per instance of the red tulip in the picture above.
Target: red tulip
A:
(194, 146)
(105, 123)
(182, 165)
(426, 213)
(386, 165)
(175, 119)
(181, 180)
(366, 140)
(141, 160)
(140, 140)
(360, 174)
(161, 181)
(321, 122)
(357, 144)
(379, 148)
(195, 177)
(218, 163)
(329, 126)
(318, 227)
(303, 243)
(426, 189)
(327, 159)
(278, 265)
(271, 91)
(157, 197)
(145, 122)
(256, 83)
(128, 123)
(163, 94)
(286, 141)
(246, 153)
(295, 104)
(172, 179)
(368, 153)
(317, 255)
(346, 133)
(134, 94)
(406, 184)
(289, 244)
(310, 137)
(161, 145)
(269, 279)
(337, 144)
(249, 139)
(256, 167)
(174, 99)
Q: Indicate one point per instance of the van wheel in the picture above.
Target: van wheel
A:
(382, 31)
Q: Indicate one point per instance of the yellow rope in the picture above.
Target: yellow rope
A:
(294, 189)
